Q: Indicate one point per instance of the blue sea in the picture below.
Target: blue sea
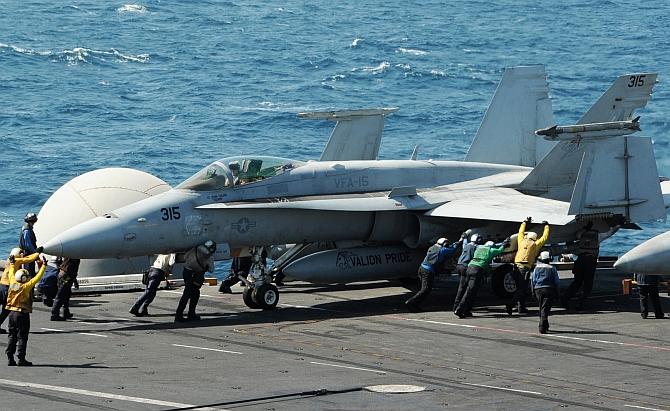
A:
(168, 86)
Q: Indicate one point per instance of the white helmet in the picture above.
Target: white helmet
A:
(473, 238)
(22, 275)
(531, 235)
(16, 252)
(545, 256)
(441, 242)
(489, 244)
(210, 246)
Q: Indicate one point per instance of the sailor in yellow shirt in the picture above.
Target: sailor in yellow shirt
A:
(20, 305)
(529, 246)
(19, 259)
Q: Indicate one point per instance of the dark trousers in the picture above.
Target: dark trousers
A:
(545, 298)
(229, 281)
(427, 278)
(4, 289)
(156, 276)
(191, 293)
(19, 328)
(650, 293)
(62, 298)
(521, 275)
(474, 277)
(584, 271)
(462, 284)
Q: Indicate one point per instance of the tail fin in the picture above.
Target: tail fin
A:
(357, 133)
(519, 106)
(555, 176)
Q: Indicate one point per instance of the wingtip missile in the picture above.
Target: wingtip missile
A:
(592, 130)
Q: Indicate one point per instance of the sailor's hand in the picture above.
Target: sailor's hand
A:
(39, 249)
(528, 219)
(39, 263)
(11, 259)
(545, 222)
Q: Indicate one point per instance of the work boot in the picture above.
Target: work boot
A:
(412, 307)
(644, 315)
(48, 302)
(225, 288)
(24, 363)
(144, 312)
(179, 318)
(522, 310)
(134, 311)
(543, 330)
(67, 314)
(57, 318)
(193, 317)
(509, 308)
(467, 314)
(10, 361)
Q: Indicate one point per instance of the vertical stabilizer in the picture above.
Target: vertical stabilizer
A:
(556, 174)
(519, 106)
(357, 133)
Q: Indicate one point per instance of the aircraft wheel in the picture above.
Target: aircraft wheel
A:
(247, 296)
(502, 281)
(267, 296)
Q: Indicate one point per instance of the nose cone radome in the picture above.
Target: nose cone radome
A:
(97, 238)
(650, 257)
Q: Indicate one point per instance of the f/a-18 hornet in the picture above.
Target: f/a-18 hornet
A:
(379, 215)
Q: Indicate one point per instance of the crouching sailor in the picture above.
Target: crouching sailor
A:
(20, 305)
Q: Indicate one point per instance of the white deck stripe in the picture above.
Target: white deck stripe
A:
(99, 394)
(642, 408)
(503, 389)
(95, 335)
(345, 366)
(52, 329)
(207, 349)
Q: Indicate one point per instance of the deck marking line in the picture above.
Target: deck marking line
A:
(207, 349)
(305, 306)
(100, 394)
(346, 366)
(642, 408)
(95, 335)
(557, 336)
(52, 329)
(503, 389)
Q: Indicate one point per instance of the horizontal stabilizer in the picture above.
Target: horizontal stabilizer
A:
(357, 133)
(619, 176)
(628, 93)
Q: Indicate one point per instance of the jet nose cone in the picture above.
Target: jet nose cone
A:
(649, 257)
(96, 238)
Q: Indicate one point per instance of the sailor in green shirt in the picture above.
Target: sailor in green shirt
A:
(480, 263)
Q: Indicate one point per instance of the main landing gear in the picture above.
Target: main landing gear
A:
(259, 292)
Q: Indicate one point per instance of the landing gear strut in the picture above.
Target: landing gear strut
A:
(258, 290)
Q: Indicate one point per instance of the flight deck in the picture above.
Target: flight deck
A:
(344, 348)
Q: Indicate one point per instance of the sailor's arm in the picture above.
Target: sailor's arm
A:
(33, 281)
(545, 235)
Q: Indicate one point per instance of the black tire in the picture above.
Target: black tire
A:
(502, 281)
(247, 296)
(266, 296)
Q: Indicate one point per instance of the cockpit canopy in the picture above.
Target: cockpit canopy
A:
(239, 170)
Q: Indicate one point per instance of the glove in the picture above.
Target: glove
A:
(11, 259)
(39, 249)
(544, 222)
(75, 285)
(528, 219)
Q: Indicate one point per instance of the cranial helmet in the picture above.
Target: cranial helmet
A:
(30, 218)
(531, 235)
(473, 238)
(441, 242)
(489, 244)
(545, 257)
(210, 245)
(16, 252)
(234, 166)
(22, 275)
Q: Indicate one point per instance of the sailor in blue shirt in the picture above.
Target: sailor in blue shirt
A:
(545, 282)
(433, 263)
(28, 241)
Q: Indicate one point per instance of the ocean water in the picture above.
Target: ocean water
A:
(168, 86)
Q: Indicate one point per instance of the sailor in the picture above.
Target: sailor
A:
(545, 283)
(67, 278)
(16, 259)
(478, 266)
(158, 272)
(239, 267)
(48, 285)
(198, 260)
(234, 167)
(431, 265)
(20, 305)
(648, 287)
(28, 241)
(462, 266)
(529, 246)
(584, 268)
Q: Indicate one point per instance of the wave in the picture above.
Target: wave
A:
(132, 8)
(79, 55)
(382, 67)
(413, 52)
(355, 42)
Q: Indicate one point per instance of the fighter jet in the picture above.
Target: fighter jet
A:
(380, 214)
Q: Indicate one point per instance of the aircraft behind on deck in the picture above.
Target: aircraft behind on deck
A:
(381, 214)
